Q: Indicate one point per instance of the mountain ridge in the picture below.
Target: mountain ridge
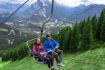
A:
(66, 12)
(40, 10)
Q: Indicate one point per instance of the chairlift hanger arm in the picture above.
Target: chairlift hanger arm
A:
(47, 20)
(14, 12)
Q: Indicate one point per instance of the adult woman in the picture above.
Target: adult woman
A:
(39, 51)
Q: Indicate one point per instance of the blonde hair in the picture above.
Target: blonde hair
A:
(35, 41)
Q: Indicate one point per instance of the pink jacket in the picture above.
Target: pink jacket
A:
(39, 50)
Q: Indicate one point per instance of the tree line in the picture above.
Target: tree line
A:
(85, 35)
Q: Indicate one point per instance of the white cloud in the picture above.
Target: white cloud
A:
(73, 3)
(97, 1)
(70, 3)
(18, 1)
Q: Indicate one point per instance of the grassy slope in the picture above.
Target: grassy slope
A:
(90, 60)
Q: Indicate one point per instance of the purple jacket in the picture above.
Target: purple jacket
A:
(39, 50)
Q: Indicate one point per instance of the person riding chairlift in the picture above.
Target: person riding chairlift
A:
(52, 45)
(40, 53)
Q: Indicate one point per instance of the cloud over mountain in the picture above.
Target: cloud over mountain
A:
(70, 3)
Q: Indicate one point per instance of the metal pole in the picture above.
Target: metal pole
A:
(47, 20)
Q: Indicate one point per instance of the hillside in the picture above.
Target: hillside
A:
(9, 33)
(92, 60)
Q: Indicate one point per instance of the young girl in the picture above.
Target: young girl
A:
(38, 50)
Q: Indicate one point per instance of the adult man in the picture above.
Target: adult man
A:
(51, 45)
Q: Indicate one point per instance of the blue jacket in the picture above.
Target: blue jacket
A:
(50, 45)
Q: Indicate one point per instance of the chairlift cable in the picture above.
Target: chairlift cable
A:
(14, 12)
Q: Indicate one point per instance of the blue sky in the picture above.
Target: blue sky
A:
(71, 3)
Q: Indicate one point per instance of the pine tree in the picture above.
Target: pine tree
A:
(94, 27)
(67, 39)
(99, 25)
(86, 38)
(61, 37)
(74, 40)
(102, 27)
(81, 26)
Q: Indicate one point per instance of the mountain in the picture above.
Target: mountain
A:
(38, 10)
(41, 10)
(7, 7)
(83, 12)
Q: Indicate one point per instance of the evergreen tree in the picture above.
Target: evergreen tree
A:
(99, 25)
(102, 27)
(61, 37)
(94, 27)
(67, 39)
(74, 42)
(86, 38)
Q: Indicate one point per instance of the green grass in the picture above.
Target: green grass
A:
(90, 60)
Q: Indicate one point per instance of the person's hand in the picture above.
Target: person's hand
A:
(50, 51)
(56, 54)
(57, 47)
(41, 53)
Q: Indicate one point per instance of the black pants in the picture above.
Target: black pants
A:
(49, 60)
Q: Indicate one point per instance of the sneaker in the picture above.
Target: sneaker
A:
(61, 64)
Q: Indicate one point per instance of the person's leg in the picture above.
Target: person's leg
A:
(47, 60)
(50, 56)
(58, 55)
(51, 62)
